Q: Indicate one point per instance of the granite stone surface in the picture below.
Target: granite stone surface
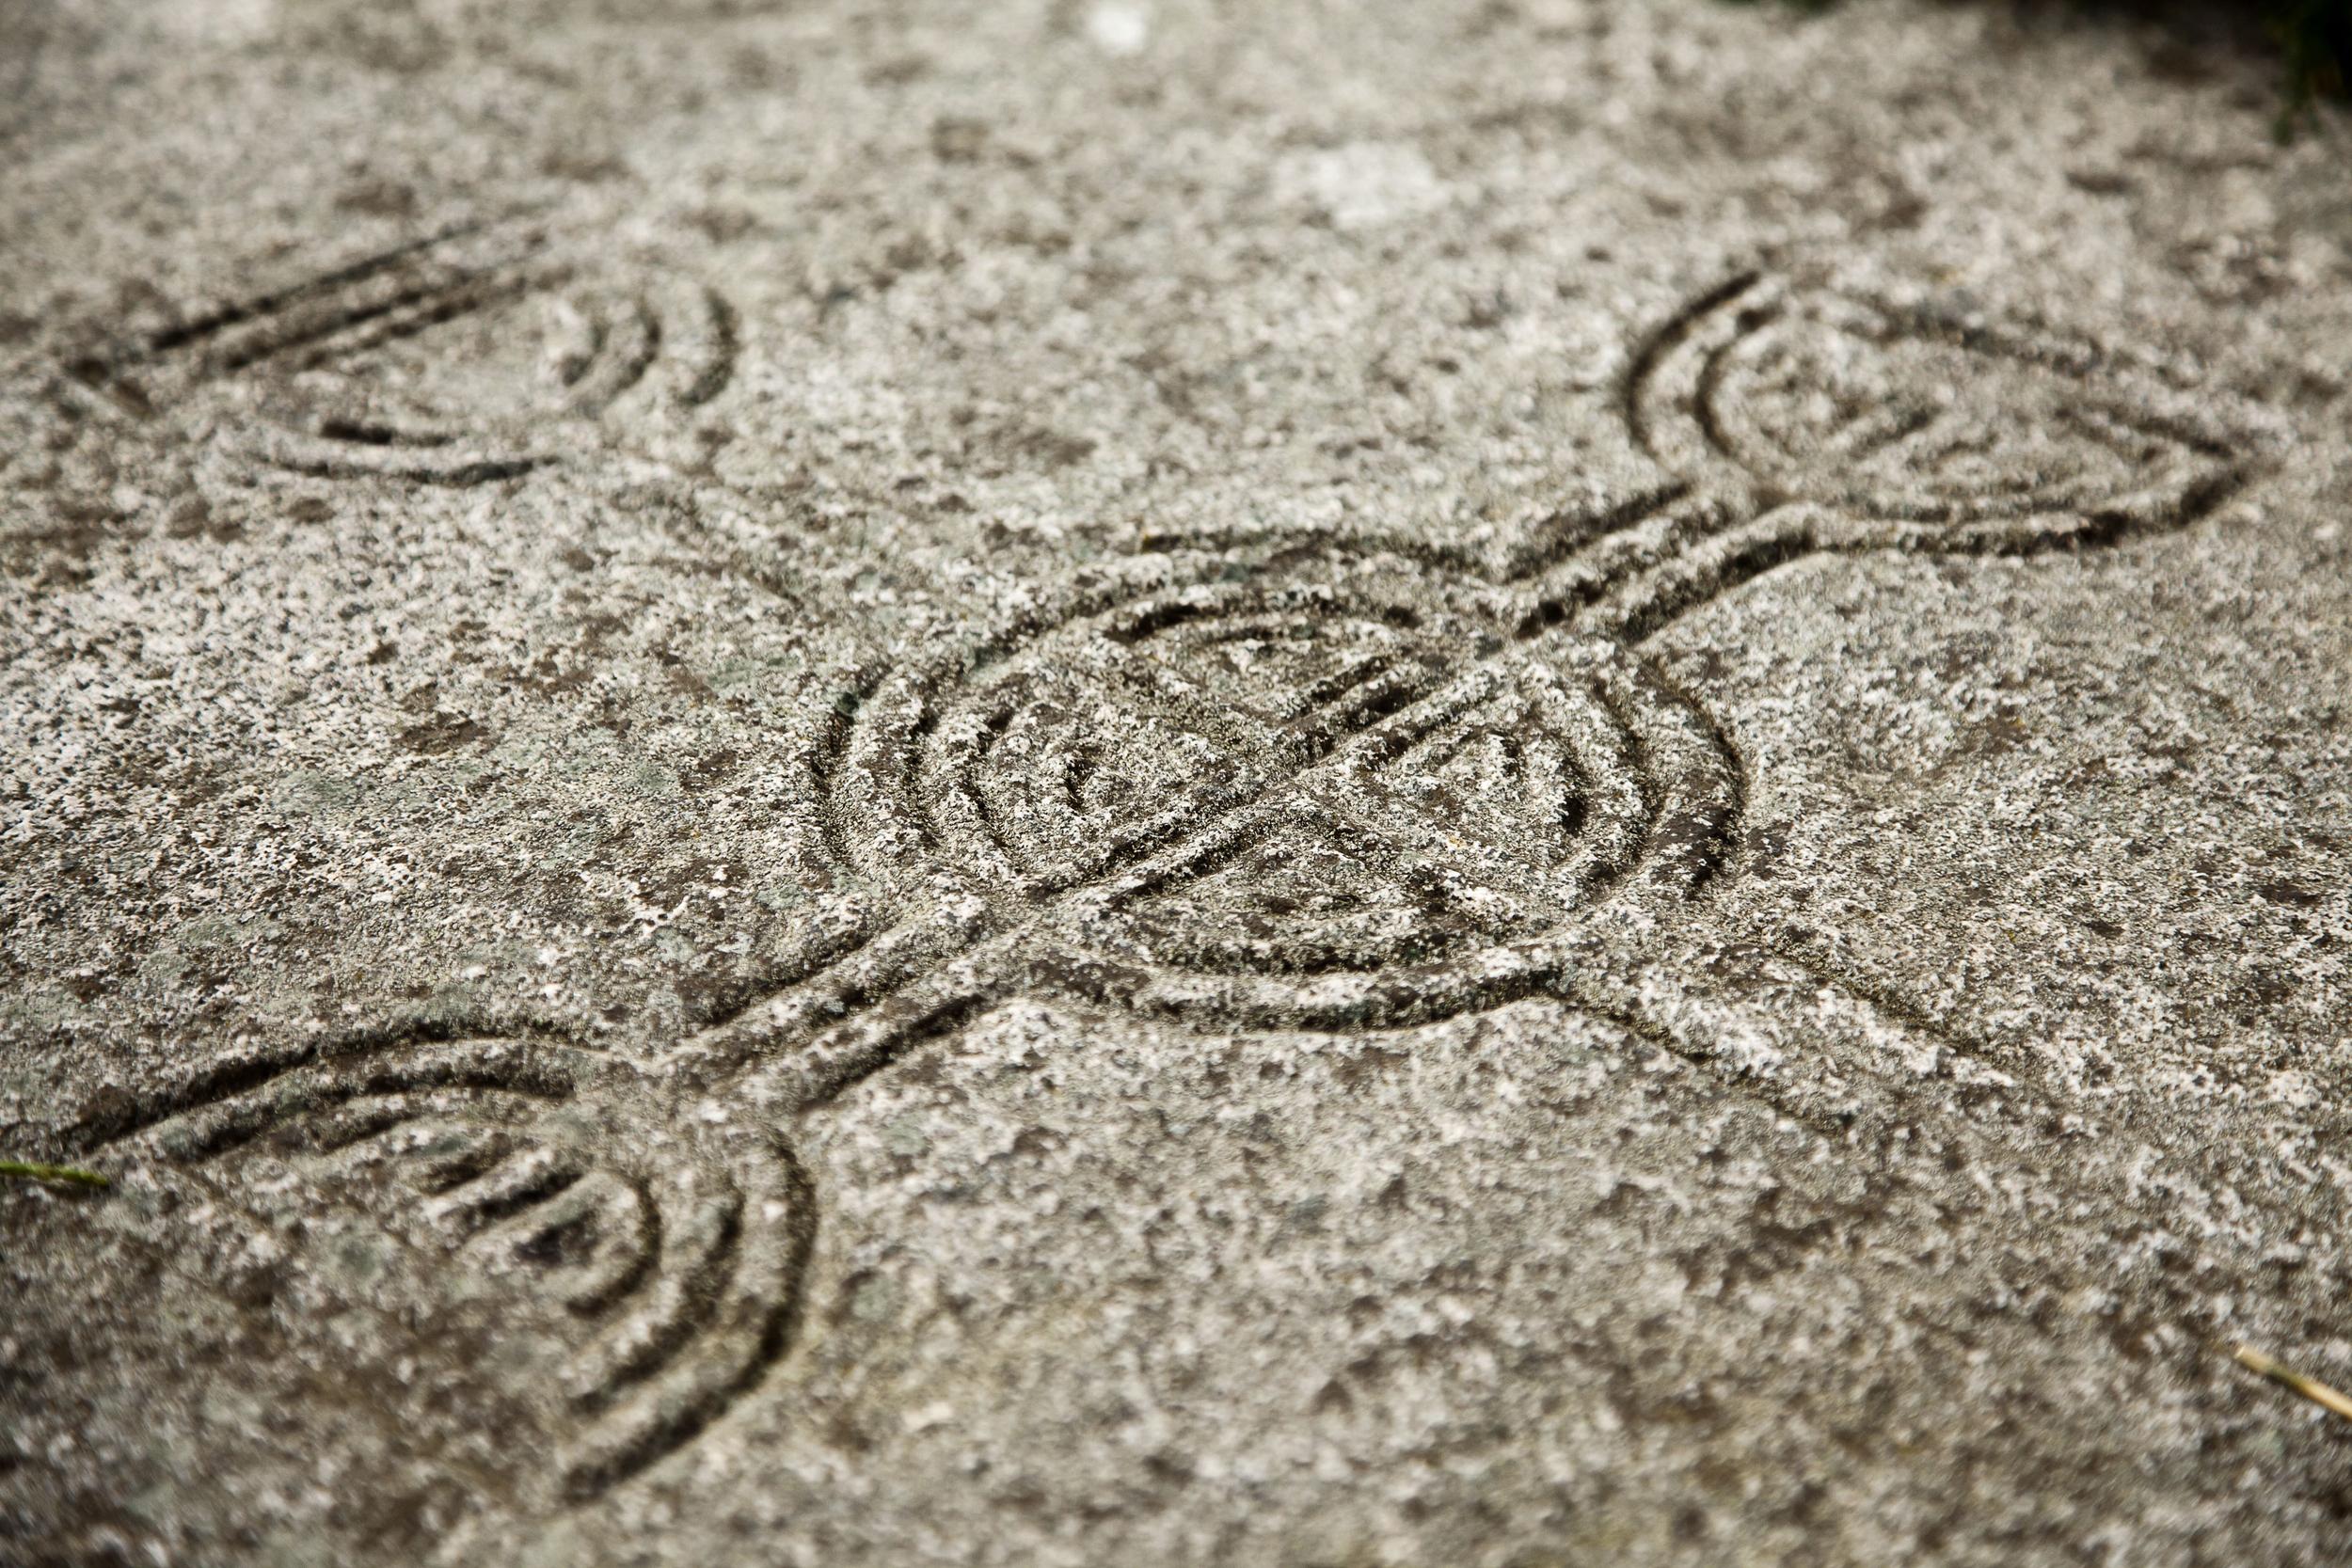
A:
(1083, 782)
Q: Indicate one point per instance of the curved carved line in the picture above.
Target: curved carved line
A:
(718, 369)
(750, 1325)
(1663, 339)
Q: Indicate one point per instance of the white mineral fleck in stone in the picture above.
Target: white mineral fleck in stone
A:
(1362, 185)
(1120, 27)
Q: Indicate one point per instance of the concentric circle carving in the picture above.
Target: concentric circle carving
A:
(478, 354)
(1287, 801)
(1981, 432)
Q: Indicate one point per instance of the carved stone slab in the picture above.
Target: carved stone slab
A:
(1089, 784)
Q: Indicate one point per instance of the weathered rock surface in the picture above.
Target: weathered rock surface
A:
(1091, 781)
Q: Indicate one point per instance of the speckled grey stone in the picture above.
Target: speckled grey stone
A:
(1121, 781)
